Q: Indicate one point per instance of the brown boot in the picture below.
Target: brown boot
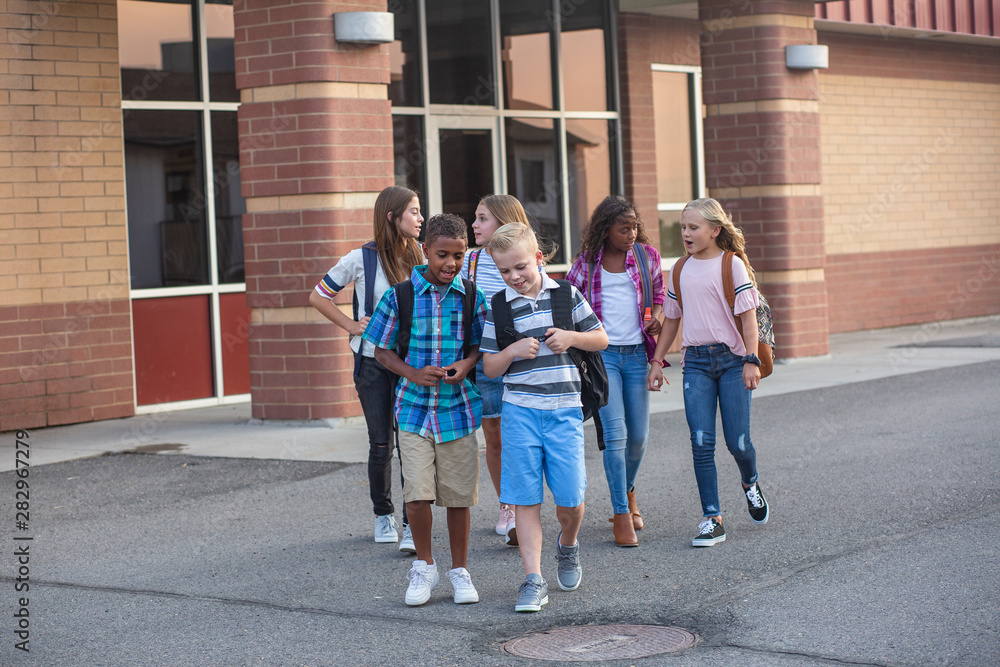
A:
(634, 509)
(624, 532)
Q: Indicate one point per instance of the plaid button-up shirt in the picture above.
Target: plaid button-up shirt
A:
(443, 412)
(579, 276)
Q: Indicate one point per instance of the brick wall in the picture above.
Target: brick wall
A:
(315, 149)
(910, 142)
(65, 332)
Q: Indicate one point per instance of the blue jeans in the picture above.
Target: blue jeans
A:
(625, 419)
(713, 375)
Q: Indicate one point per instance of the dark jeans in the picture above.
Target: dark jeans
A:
(377, 392)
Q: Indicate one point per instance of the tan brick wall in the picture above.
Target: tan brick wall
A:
(909, 163)
(63, 239)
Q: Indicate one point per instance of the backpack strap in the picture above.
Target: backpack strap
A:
(503, 320)
(468, 313)
(369, 257)
(678, 265)
(729, 289)
(562, 306)
(474, 263)
(642, 260)
(404, 304)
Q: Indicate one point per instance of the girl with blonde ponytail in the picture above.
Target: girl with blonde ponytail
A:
(720, 364)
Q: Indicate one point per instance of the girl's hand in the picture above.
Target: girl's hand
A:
(751, 376)
(429, 376)
(655, 378)
(526, 348)
(359, 327)
(653, 327)
(558, 340)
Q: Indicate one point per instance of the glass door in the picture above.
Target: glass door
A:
(463, 164)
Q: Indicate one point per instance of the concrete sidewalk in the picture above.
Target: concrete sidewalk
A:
(229, 431)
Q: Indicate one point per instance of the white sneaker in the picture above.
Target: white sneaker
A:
(385, 529)
(511, 536)
(506, 518)
(423, 578)
(406, 544)
(461, 583)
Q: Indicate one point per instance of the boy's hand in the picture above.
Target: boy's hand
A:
(526, 348)
(359, 326)
(559, 340)
(428, 376)
(456, 372)
(655, 378)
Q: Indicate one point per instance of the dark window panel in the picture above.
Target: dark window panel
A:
(405, 89)
(533, 176)
(460, 53)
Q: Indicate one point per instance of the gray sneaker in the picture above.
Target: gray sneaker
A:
(406, 544)
(569, 573)
(533, 594)
(385, 529)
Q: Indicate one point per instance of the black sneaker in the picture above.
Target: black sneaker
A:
(712, 532)
(756, 504)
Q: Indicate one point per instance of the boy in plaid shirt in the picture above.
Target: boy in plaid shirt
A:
(438, 408)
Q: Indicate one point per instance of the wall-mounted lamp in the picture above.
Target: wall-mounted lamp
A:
(807, 56)
(364, 27)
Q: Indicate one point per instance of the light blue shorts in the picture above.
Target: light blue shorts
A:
(491, 391)
(537, 442)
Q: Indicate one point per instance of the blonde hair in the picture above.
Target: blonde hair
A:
(730, 236)
(509, 237)
(397, 254)
(505, 208)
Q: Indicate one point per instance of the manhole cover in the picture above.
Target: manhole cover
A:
(591, 643)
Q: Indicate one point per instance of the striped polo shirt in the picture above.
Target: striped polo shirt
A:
(549, 381)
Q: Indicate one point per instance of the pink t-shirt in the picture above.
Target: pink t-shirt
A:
(707, 318)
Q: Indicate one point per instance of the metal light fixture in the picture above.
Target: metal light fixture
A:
(364, 27)
(807, 56)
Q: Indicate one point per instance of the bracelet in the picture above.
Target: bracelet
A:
(751, 359)
(661, 362)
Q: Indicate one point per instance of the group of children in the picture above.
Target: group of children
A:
(431, 359)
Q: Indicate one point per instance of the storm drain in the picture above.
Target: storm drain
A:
(591, 643)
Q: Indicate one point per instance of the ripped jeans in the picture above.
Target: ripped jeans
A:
(713, 375)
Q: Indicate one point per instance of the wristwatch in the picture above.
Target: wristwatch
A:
(752, 359)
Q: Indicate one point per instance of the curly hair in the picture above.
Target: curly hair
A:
(607, 213)
(446, 225)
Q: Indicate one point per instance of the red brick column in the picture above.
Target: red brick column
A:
(315, 150)
(762, 156)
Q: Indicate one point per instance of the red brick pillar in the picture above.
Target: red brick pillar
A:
(315, 150)
(762, 155)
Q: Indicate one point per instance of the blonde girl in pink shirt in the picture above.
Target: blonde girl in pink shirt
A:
(720, 364)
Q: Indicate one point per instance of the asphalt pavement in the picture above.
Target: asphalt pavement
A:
(204, 538)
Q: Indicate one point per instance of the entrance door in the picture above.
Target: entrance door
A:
(463, 164)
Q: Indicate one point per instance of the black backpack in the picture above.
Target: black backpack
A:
(404, 301)
(593, 374)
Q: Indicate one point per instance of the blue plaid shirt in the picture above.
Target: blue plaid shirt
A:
(445, 411)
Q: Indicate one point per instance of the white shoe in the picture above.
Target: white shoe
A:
(461, 583)
(406, 544)
(385, 529)
(506, 518)
(423, 578)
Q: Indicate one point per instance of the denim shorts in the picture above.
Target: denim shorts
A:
(491, 390)
(537, 442)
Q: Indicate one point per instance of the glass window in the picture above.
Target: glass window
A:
(229, 203)
(404, 56)
(674, 152)
(467, 170)
(410, 154)
(533, 177)
(157, 51)
(589, 154)
(220, 33)
(165, 198)
(460, 52)
(584, 56)
(526, 48)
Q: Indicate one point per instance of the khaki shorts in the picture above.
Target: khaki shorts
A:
(445, 472)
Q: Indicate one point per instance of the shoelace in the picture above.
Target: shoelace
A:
(753, 495)
(706, 527)
(461, 579)
(531, 585)
(418, 577)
